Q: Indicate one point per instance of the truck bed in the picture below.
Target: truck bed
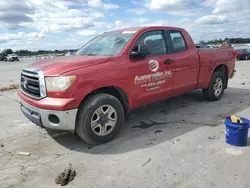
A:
(210, 58)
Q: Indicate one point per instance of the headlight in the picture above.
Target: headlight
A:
(59, 83)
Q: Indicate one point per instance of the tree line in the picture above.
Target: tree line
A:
(39, 52)
(42, 52)
(228, 40)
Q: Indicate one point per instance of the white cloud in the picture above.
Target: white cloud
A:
(142, 20)
(20, 40)
(227, 6)
(87, 33)
(230, 13)
(100, 4)
(212, 20)
(13, 13)
(20, 36)
(135, 2)
(60, 18)
(209, 3)
(173, 7)
(138, 11)
(223, 6)
(52, 15)
(168, 5)
(79, 20)
(103, 25)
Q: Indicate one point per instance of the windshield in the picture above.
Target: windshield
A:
(107, 44)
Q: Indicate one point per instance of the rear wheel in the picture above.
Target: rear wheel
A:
(99, 118)
(216, 87)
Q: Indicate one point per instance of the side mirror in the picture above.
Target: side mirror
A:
(140, 51)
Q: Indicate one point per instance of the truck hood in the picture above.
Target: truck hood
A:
(59, 65)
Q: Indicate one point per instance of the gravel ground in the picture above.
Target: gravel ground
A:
(178, 142)
(10, 71)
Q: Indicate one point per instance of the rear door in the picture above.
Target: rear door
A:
(152, 79)
(185, 62)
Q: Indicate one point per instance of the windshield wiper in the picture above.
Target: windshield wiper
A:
(90, 54)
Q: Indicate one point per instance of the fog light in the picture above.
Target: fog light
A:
(54, 119)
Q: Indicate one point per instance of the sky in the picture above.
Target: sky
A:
(68, 24)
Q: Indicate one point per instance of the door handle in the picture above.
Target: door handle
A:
(168, 61)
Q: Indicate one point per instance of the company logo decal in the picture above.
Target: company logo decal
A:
(25, 84)
(153, 65)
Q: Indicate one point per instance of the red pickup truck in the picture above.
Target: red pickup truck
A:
(93, 91)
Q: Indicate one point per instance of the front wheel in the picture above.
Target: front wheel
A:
(99, 118)
(216, 87)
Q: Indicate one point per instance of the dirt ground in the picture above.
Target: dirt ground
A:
(178, 142)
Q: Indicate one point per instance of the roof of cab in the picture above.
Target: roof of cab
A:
(147, 27)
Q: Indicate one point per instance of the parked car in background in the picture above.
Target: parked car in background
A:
(69, 53)
(243, 53)
(93, 91)
(214, 46)
(202, 46)
(12, 57)
(3, 57)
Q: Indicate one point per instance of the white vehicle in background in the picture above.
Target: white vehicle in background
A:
(12, 57)
(69, 54)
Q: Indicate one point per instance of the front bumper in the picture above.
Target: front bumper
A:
(41, 118)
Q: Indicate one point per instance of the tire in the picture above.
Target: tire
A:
(210, 93)
(88, 113)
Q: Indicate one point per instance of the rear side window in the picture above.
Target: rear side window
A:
(179, 44)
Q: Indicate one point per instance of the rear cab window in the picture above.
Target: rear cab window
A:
(178, 41)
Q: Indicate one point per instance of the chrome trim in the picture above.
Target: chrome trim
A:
(31, 96)
(30, 79)
(28, 74)
(43, 91)
(40, 75)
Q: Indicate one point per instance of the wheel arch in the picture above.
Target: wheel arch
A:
(115, 91)
(222, 68)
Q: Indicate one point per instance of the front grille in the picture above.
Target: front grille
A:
(31, 83)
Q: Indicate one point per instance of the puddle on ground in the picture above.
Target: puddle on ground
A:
(144, 125)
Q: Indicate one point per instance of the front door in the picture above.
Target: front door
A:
(152, 79)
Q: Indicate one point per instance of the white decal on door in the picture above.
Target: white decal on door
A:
(154, 80)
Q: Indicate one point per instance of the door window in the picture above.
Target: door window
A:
(155, 41)
(179, 44)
